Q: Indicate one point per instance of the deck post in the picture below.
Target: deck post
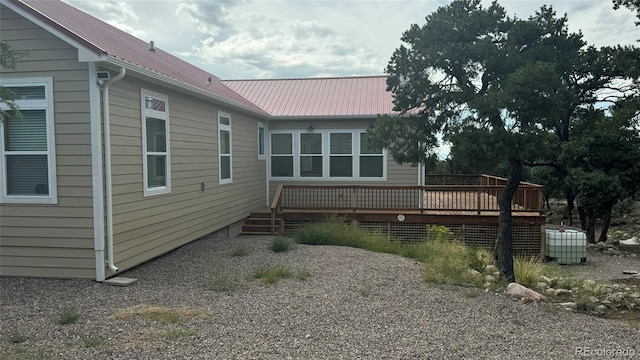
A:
(478, 192)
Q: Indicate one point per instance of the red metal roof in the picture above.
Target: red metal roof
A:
(101, 37)
(321, 97)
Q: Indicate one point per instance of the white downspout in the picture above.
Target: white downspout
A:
(96, 171)
(107, 164)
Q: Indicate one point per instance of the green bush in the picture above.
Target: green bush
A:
(240, 251)
(272, 274)
(68, 316)
(281, 244)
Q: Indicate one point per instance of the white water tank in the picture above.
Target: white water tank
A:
(566, 247)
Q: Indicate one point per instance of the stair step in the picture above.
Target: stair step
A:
(259, 221)
(255, 233)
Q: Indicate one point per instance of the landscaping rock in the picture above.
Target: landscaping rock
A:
(629, 272)
(489, 278)
(571, 306)
(633, 241)
(601, 309)
(523, 292)
(546, 279)
(542, 285)
(560, 292)
(490, 269)
(550, 291)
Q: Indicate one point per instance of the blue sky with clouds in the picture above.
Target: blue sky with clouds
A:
(245, 39)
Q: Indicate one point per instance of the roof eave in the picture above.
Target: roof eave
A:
(184, 86)
(330, 117)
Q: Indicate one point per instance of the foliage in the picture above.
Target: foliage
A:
(221, 278)
(161, 314)
(8, 61)
(281, 244)
(240, 251)
(271, 274)
(17, 338)
(68, 316)
(448, 262)
(528, 271)
(633, 5)
(336, 232)
(518, 82)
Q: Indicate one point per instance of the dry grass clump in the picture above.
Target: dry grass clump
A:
(161, 314)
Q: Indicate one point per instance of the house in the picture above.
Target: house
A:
(125, 152)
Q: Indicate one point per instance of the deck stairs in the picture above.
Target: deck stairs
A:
(259, 223)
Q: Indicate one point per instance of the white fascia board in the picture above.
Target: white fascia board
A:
(84, 53)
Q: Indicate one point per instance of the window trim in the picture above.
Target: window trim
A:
(159, 190)
(262, 142)
(47, 105)
(355, 153)
(224, 127)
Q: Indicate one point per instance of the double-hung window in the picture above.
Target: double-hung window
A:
(341, 155)
(155, 143)
(371, 160)
(224, 148)
(311, 155)
(28, 159)
(281, 155)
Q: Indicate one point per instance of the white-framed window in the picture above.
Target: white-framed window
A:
(325, 154)
(341, 154)
(310, 159)
(282, 155)
(224, 148)
(27, 151)
(156, 155)
(261, 141)
(371, 162)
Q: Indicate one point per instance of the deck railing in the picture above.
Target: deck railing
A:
(477, 193)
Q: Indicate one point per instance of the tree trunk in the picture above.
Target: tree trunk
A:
(590, 225)
(503, 253)
(582, 213)
(570, 205)
(605, 225)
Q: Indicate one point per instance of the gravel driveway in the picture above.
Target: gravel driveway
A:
(355, 304)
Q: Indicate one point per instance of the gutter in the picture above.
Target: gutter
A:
(107, 164)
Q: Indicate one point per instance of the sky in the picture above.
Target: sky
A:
(274, 39)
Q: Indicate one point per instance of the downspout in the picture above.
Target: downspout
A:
(96, 171)
(107, 164)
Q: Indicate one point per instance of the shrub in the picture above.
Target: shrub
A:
(281, 244)
(68, 316)
(272, 274)
(528, 271)
(17, 338)
(448, 262)
(240, 251)
(222, 279)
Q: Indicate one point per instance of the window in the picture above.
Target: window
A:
(327, 155)
(281, 155)
(371, 160)
(27, 161)
(224, 148)
(155, 144)
(261, 138)
(340, 155)
(311, 155)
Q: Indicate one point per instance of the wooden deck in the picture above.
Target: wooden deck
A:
(469, 208)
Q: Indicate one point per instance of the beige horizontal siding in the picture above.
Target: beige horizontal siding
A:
(52, 240)
(145, 227)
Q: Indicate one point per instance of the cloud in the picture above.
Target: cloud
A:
(275, 47)
(116, 13)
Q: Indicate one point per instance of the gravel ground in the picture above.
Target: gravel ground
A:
(355, 304)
